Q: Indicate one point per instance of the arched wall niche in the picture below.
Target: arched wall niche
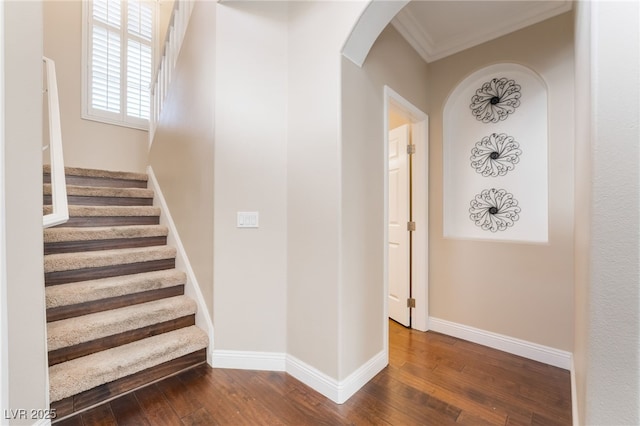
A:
(495, 165)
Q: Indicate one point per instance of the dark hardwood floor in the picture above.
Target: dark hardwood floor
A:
(432, 379)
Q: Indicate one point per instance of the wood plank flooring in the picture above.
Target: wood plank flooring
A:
(432, 379)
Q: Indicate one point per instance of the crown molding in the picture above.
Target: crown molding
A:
(423, 43)
(409, 27)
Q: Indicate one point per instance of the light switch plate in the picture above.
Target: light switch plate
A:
(247, 220)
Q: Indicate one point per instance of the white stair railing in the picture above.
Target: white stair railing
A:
(60, 209)
(171, 48)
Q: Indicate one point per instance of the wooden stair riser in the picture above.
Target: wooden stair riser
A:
(101, 305)
(96, 245)
(92, 221)
(76, 275)
(84, 400)
(78, 200)
(99, 181)
(87, 348)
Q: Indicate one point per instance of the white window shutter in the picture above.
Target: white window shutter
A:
(119, 57)
(138, 79)
(105, 70)
(139, 58)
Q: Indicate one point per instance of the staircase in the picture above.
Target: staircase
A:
(117, 316)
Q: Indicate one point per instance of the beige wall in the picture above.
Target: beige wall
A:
(391, 62)
(313, 181)
(86, 143)
(23, 201)
(182, 151)
(250, 175)
(519, 290)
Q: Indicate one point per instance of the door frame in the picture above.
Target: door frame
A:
(419, 122)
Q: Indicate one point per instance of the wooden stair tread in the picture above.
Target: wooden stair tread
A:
(109, 215)
(68, 353)
(115, 302)
(94, 191)
(60, 234)
(73, 331)
(106, 211)
(83, 260)
(79, 171)
(92, 290)
(89, 398)
(81, 374)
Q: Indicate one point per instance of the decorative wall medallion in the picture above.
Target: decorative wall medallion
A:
(495, 155)
(494, 210)
(495, 100)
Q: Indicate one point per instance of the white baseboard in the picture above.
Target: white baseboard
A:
(575, 413)
(247, 360)
(337, 391)
(192, 288)
(534, 351)
(314, 378)
(361, 376)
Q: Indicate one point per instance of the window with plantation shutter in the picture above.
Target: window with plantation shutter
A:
(118, 60)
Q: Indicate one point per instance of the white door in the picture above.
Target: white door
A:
(399, 215)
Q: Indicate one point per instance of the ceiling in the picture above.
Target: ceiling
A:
(437, 29)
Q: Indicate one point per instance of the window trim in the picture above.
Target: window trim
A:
(107, 117)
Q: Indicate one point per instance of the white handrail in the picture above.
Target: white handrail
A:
(60, 208)
(164, 70)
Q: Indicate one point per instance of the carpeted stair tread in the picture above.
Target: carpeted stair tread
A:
(99, 191)
(91, 290)
(92, 211)
(55, 235)
(77, 171)
(95, 259)
(73, 331)
(81, 374)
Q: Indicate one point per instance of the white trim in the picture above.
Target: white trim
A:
(337, 391)
(512, 345)
(356, 380)
(575, 413)
(375, 17)
(59, 204)
(192, 288)
(412, 31)
(248, 360)
(420, 269)
(4, 332)
(312, 377)
(43, 422)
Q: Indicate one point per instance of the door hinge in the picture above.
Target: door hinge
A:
(411, 303)
(411, 226)
(411, 149)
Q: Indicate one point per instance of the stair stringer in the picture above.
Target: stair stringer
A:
(191, 288)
